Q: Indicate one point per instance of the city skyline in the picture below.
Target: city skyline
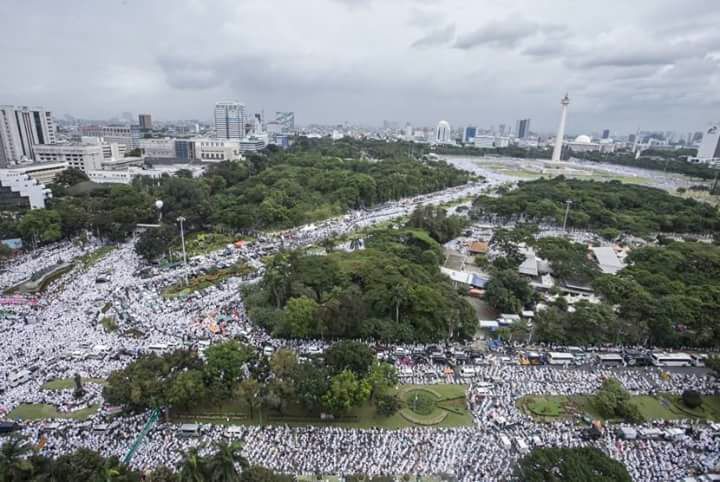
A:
(656, 66)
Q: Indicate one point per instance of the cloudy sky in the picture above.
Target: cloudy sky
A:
(651, 64)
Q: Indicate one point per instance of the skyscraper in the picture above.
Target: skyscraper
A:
(443, 133)
(286, 120)
(145, 121)
(522, 128)
(606, 134)
(21, 128)
(469, 134)
(710, 146)
(230, 120)
(557, 149)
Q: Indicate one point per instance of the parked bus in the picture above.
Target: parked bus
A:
(611, 359)
(672, 360)
(560, 358)
(19, 378)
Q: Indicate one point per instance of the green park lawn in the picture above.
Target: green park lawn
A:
(659, 407)
(447, 410)
(41, 411)
(203, 242)
(68, 383)
(204, 281)
(90, 259)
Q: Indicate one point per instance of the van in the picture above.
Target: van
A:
(467, 372)
(268, 350)
(189, 430)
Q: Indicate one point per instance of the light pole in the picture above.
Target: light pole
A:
(181, 220)
(567, 211)
(159, 205)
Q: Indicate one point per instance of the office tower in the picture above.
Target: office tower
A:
(21, 128)
(501, 130)
(145, 121)
(710, 145)
(557, 149)
(606, 134)
(631, 138)
(522, 128)
(286, 120)
(469, 134)
(230, 120)
(443, 132)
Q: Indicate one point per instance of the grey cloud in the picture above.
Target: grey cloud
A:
(440, 36)
(505, 33)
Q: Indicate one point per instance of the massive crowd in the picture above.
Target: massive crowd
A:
(63, 334)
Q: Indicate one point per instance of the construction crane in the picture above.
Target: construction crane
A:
(154, 417)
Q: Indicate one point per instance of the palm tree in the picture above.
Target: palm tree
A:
(222, 464)
(13, 464)
(192, 468)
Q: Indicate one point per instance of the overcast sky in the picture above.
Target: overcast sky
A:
(651, 64)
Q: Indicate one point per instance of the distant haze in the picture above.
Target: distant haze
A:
(652, 64)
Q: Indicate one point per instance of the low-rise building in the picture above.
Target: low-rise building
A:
(80, 156)
(44, 173)
(158, 148)
(20, 191)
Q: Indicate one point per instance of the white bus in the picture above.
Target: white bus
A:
(611, 359)
(559, 358)
(19, 378)
(672, 360)
(157, 348)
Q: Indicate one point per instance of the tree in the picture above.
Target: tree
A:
(311, 383)
(570, 465)
(713, 363)
(381, 377)
(349, 355)
(221, 464)
(388, 404)
(193, 467)
(13, 464)
(508, 292)
(224, 364)
(261, 474)
(692, 398)
(346, 391)
(70, 177)
(300, 317)
(249, 392)
(41, 225)
(155, 242)
(186, 389)
(162, 474)
(79, 391)
(283, 363)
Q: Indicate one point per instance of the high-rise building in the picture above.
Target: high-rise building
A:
(606, 134)
(710, 145)
(557, 148)
(286, 120)
(469, 134)
(21, 128)
(443, 134)
(145, 121)
(230, 120)
(631, 138)
(522, 128)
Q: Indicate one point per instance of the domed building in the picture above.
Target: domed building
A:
(443, 134)
(583, 139)
(583, 143)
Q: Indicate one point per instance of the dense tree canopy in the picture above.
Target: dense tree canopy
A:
(671, 292)
(556, 464)
(599, 205)
(434, 219)
(392, 290)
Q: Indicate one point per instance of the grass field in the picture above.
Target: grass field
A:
(203, 243)
(41, 411)
(659, 407)
(449, 401)
(205, 281)
(68, 383)
(90, 259)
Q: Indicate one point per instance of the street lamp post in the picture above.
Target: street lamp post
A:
(567, 211)
(181, 220)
